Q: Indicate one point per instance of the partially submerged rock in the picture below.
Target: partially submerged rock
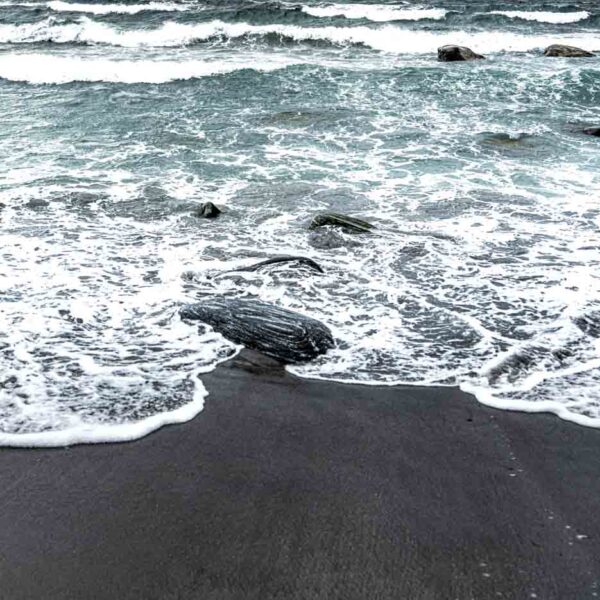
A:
(562, 51)
(505, 139)
(277, 332)
(453, 53)
(37, 203)
(207, 211)
(595, 131)
(328, 238)
(589, 323)
(338, 220)
(301, 260)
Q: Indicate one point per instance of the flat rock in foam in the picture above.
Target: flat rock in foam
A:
(277, 332)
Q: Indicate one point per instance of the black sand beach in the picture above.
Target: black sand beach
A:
(293, 489)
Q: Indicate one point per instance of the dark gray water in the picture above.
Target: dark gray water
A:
(119, 119)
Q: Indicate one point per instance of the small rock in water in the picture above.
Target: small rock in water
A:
(83, 198)
(595, 131)
(327, 238)
(339, 220)
(303, 260)
(452, 53)
(277, 332)
(207, 211)
(562, 51)
(505, 139)
(37, 203)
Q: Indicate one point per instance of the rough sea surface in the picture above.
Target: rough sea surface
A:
(120, 118)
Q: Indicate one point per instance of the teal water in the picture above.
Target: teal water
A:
(119, 119)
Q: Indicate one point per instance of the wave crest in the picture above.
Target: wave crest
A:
(375, 12)
(104, 9)
(389, 38)
(544, 16)
(45, 69)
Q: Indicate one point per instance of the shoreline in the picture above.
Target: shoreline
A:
(302, 489)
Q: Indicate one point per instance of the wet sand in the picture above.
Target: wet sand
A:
(293, 489)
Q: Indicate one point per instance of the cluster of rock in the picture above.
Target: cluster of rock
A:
(285, 335)
(453, 53)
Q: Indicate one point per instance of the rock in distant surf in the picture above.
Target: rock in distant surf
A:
(207, 211)
(328, 238)
(277, 332)
(453, 53)
(300, 260)
(595, 131)
(338, 220)
(562, 51)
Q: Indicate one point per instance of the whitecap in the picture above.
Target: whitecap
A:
(544, 16)
(375, 12)
(104, 9)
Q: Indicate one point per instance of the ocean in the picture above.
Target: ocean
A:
(119, 119)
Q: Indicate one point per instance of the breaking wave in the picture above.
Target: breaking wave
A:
(45, 69)
(388, 38)
(543, 16)
(375, 12)
(104, 9)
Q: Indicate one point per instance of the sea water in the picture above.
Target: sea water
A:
(120, 118)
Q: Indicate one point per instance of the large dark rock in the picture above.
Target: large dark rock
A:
(562, 51)
(457, 53)
(207, 211)
(595, 131)
(338, 220)
(277, 332)
(300, 260)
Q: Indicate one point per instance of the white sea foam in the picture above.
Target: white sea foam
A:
(107, 361)
(47, 69)
(104, 9)
(375, 12)
(544, 16)
(79, 432)
(388, 38)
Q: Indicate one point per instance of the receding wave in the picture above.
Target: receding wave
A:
(375, 12)
(388, 38)
(544, 16)
(45, 69)
(104, 9)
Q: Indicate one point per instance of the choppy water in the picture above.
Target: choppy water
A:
(118, 119)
